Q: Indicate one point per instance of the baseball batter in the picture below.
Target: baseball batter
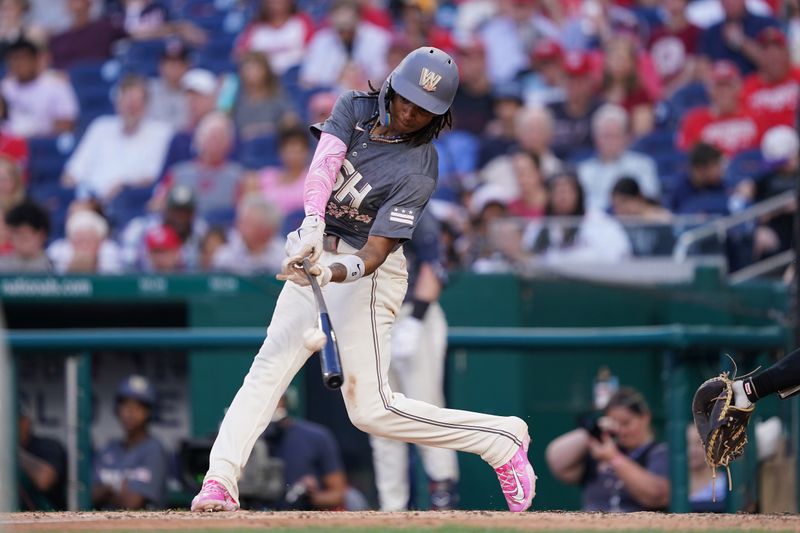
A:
(419, 349)
(372, 174)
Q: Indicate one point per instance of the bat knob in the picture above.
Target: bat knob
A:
(333, 382)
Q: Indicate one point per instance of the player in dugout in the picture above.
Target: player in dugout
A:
(131, 472)
(372, 174)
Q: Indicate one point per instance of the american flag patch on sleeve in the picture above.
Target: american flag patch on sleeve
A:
(402, 215)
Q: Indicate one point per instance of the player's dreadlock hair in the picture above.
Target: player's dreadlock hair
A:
(426, 134)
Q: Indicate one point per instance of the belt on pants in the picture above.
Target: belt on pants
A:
(330, 243)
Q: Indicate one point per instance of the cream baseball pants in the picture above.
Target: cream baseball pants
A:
(420, 377)
(362, 313)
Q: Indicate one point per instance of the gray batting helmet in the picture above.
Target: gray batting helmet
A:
(428, 77)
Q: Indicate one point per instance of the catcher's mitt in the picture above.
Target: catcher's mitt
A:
(722, 426)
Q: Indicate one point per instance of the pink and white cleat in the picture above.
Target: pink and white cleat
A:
(213, 497)
(517, 479)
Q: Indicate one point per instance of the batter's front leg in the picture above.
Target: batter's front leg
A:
(281, 356)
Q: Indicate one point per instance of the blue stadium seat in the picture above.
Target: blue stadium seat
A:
(463, 148)
(216, 55)
(292, 221)
(259, 152)
(142, 57)
(691, 95)
(56, 200)
(660, 145)
(128, 204)
(222, 217)
(746, 164)
(47, 158)
(93, 82)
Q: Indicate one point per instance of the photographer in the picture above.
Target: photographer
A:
(617, 463)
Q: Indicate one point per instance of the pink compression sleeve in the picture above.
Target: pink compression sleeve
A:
(325, 165)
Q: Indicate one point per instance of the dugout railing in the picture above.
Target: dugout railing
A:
(674, 342)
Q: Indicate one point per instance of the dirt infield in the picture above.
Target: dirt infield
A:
(377, 521)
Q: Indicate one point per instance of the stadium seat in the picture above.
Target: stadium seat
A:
(47, 158)
(660, 145)
(141, 57)
(463, 148)
(216, 55)
(128, 204)
(93, 82)
(259, 152)
(746, 164)
(687, 97)
(222, 217)
(292, 221)
(56, 200)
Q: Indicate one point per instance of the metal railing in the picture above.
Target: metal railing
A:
(720, 226)
(673, 340)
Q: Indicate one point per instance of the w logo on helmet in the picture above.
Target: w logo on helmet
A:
(428, 80)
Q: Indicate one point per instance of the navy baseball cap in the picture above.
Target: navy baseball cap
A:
(137, 388)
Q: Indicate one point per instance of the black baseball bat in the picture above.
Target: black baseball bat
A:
(332, 375)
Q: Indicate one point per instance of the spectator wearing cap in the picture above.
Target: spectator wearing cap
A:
(212, 174)
(168, 101)
(261, 106)
(347, 39)
(86, 248)
(41, 102)
(279, 32)
(614, 159)
(488, 207)
(283, 185)
(87, 38)
(734, 38)
(701, 191)
(545, 84)
(111, 152)
(254, 246)
(724, 123)
(773, 92)
(131, 472)
(164, 250)
(472, 105)
(571, 232)
(673, 47)
(201, 88)
(572, 132)
(533, 132)
(180, 215)
(28, 227)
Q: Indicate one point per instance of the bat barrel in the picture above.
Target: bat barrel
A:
(332, 375)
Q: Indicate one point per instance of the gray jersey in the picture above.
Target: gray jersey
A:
(382, 188)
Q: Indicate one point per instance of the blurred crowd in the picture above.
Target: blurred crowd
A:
(171, 135)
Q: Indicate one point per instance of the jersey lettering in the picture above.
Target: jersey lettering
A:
(346, 183)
